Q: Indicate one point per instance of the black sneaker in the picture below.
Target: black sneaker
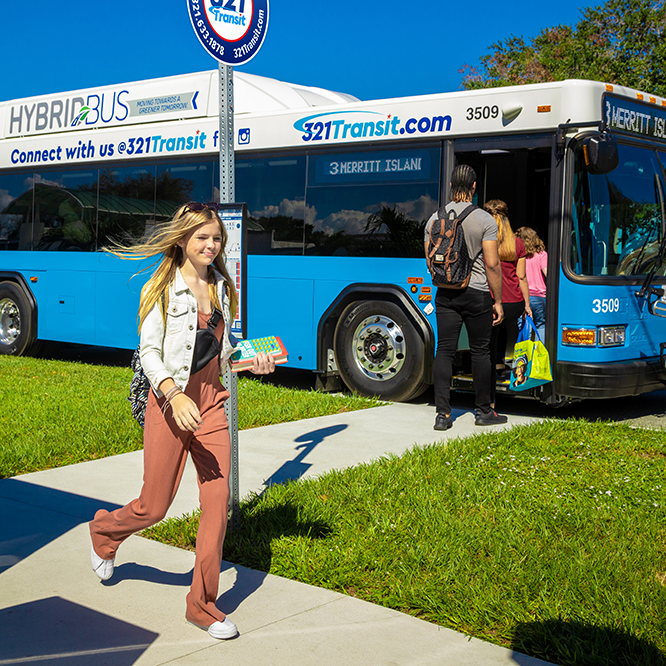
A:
(443, 422)
(489, 418)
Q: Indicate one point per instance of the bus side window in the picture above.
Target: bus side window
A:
(371, 203)
(274, 189)
(181, 182)
(126, 203)
(15, 212)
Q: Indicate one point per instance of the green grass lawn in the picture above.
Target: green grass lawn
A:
(57, 413)
(549, 539)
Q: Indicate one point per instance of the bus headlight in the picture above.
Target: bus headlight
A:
(611, 336)
(579, 337)
(604, 336)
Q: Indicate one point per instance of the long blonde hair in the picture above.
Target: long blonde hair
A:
(165, 243)
(506, 240)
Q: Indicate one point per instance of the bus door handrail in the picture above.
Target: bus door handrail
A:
(660, 192)
(579, 249)
(646, 288)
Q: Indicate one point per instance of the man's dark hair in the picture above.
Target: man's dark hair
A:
(462, 183)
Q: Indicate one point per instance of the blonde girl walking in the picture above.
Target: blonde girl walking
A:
(189, 291)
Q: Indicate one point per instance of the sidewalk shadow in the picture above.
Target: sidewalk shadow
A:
(247, 582)
(294, 469)
(134, 571)
(569, 643)
(251, 545)
(57, 631)
(31, 516)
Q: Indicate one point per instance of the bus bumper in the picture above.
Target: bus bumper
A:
(609, 380)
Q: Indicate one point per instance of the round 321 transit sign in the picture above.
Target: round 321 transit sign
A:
(232, 31)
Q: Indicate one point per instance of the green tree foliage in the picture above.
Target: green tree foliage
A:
(621, 42)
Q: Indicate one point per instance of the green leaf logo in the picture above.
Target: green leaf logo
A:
(85, 110)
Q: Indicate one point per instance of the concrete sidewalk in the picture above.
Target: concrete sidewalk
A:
(53, 609)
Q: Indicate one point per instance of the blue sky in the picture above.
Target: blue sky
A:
(370, 49)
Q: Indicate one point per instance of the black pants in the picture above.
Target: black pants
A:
(504, 337)
(474, 308)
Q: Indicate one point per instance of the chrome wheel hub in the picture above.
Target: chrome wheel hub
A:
(10, 321)
(379, 347)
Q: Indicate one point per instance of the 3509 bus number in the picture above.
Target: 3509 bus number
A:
(605, 305)
(482, 112)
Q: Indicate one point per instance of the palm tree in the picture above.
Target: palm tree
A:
(404, 235)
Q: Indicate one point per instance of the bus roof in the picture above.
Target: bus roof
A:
(177, 115)
(173, 97)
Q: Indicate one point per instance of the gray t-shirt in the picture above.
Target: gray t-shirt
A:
(478, 226)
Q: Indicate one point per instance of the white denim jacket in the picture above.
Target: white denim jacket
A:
(166, 351)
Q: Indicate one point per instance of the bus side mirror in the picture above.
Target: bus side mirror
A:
(600, 151)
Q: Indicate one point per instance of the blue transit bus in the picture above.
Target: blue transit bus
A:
(337, 192)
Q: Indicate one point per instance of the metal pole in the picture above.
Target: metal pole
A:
(228, 195)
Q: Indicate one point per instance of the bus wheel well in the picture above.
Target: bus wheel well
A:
(393, 308)
(18, 316)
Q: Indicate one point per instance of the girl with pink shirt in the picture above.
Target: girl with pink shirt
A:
(537, 263)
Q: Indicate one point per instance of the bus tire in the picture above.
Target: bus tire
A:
(16, 322)
(379, 352)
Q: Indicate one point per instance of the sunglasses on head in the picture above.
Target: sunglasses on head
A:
(196, 206)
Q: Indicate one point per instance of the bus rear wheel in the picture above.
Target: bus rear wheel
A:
(16, 329)
(378, 351)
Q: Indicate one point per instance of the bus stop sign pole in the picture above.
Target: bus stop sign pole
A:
(228, 195)
(232, 32)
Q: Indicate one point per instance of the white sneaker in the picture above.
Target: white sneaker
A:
(220, 630)
(223, 630)
(103, 568)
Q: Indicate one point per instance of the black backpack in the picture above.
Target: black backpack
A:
(139, 389)
(139, 385)
(447, 256)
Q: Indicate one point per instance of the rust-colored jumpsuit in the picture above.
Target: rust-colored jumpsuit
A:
(165, 449)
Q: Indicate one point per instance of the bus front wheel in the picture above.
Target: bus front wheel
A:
(378, 351)
(16, 329)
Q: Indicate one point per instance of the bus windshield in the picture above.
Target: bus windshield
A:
(619, 218)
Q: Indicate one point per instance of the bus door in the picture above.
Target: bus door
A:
(608, 343)
(516, 170)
